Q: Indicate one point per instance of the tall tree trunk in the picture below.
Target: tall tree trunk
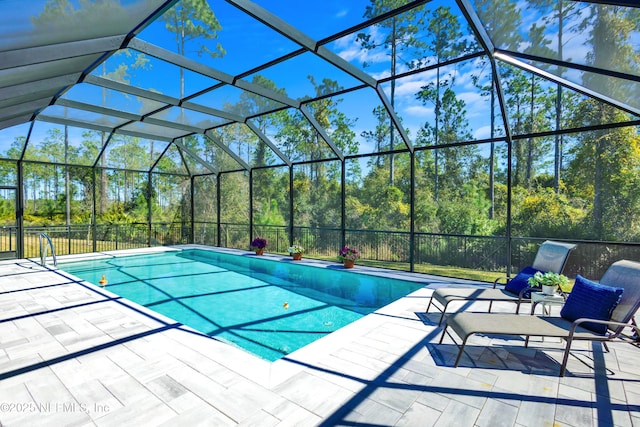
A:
(492, 155)
(103, 159)
(393, 96)
(517, 151)
(437, 131)
(34, 195)
(66, 176)
(598, 185)
(532, 129)
(557, 154)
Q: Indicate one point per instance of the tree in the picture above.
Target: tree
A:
(502, 20)
(404, 35)
(300, 139)
(381, 133)
(191, 20)
(451, 127)
(564, 13)
(528, 104)
(447, 41)
(251, 105)
(607, 162)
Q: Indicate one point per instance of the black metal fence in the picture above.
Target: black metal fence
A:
(392, 249)
(8, 242)
(77, 239)
(487, 253)
(318, 242)
(234, 236)
(205, 233)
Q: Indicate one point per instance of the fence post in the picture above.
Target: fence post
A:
(251, 231)
(291, 212)
(343, 212)
(412, 211)
(94, 217)
(218, 209)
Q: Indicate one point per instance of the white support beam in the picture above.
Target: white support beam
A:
(39, 54)
(172, 125)
(74, 123)
(15, 121)
(123, 87)
(179, 60)
(97, 109)
(22, 109)
(142, 135)
(52, 85)
(212, 111)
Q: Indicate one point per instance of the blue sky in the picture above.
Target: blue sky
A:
(249, 43)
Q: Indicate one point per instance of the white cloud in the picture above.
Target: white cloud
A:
(482, 133)
(418, 110)
(350, 50)
(380, 75)
(471, 99)
(409, 88)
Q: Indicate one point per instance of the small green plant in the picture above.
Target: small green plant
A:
(295, 249)
(548, 279)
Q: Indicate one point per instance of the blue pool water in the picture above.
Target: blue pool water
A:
(267, 307)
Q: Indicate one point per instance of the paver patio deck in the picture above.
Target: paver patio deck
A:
(74, 354)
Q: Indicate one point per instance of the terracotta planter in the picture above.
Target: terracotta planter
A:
(349, 263)
(259, 251)
(297, 257)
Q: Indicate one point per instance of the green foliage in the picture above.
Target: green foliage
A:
(544, 213)
(194, 20)
(548, 279)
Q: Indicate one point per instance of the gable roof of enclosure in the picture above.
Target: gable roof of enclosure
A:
(114, 67)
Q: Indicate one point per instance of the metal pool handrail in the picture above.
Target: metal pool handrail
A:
(43, 249)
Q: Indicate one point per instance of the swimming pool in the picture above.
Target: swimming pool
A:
(267, 307)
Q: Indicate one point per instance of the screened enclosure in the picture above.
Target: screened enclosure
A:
(449, 137)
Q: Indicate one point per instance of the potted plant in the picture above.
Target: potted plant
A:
(296, 252)
(348, 256)
(258, 244)
(548, 281)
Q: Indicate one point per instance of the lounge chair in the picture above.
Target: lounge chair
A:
(622, 276)
(551, 256)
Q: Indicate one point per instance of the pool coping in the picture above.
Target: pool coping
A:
(241, 361)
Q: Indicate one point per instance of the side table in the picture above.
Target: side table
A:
(546, 301)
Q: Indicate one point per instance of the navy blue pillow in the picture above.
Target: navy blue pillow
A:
(591, 300)
(520, 282)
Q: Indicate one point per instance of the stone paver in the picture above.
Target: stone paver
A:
(71, 353)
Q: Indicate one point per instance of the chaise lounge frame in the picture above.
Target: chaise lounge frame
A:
(551, 256)
(624, 274)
